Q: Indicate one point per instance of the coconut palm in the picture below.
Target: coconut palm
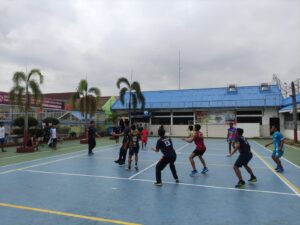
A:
(26, 90)
(135, 95)
(86, 99)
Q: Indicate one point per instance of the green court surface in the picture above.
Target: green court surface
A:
(11, 157)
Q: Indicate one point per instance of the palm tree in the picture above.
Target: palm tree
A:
(135, 94)
(89, 99)
(26, 87)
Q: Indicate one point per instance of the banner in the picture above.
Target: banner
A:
(215, 117)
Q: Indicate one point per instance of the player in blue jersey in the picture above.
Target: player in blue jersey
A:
(278, 141)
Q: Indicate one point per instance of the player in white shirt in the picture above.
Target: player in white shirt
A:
(2, 137)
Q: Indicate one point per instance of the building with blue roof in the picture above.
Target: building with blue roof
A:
(251, 107)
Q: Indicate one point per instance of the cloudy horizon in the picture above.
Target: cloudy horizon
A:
(220, 42)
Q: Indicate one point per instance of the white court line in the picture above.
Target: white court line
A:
(281, 177)
(50, 157)
(153, 164)
(282, 157)
(165, 182)
(46, 163)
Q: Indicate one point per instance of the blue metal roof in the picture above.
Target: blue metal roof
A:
(289, 101)
(250, 96)
(288, 108)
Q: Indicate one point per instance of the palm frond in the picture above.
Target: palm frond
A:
(122, 95)
(135, 86)
(83, 86)
(35, 90)
(92, 105)
(36, 72)
(95, 91)
(18, 77)
(141, 99)
(82, 106)
(123, 80)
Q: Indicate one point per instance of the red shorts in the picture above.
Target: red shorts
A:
(144, 140)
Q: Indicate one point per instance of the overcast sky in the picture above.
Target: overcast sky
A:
(221, 42)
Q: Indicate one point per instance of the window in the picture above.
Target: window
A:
(253, 119)
(264, 87)
(161, 121)
(183, 120)
(161, 114)
(232, 88)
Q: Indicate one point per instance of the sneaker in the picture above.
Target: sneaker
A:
(128, 168)
(136, 168)
(158, 184)
(193, 173)
(91, 153)
(240, 184)
(280, 170)
(204, 171)
(117, 161)
(121, 163)
(177, 181)
(252, 179)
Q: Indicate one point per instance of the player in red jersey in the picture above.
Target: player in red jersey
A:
(198, 139)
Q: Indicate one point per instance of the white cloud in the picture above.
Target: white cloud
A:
(221, 42)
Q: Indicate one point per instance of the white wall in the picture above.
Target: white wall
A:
(215, 130)
(251, 130)
(289, 134)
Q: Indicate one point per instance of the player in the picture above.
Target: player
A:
(134, 147)
(144, 134)
(231, 135)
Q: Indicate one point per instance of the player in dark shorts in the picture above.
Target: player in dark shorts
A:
(125, 144)
(164, 144)
(242, 145)
(134, 147)
(198, 139)
(92, 133)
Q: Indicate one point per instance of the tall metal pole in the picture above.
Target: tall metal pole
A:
(294, 113)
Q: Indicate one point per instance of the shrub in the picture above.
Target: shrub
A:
(51, 120)
(20, 121)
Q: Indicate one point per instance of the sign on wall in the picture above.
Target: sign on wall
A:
(215, 117)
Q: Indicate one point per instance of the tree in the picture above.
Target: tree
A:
(20, 122)
(113, 117)
(53, 121)
(25, 90)
(86, 99)
(135, 95)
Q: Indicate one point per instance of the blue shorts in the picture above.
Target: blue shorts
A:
(277, 154)
(2, 140)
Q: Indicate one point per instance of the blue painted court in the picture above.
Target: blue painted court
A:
(74, 189)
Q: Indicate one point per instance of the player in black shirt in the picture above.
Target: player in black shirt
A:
(92, 133)
(125, 144)
(242, 145)
(164, 144)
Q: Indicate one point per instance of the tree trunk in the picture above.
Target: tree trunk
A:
(294, 113)
(26, 116)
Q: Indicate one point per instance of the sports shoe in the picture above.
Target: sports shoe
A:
(204, 171)
(121, 163)
(240, 184)
(117, 161)
(136, 167)
(276, 168)
(280, 170)
(158, 184)
(177, 181)
(91, 153)
(128, 168)
(252, 179)
(193, 173)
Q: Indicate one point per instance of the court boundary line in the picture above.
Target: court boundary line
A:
(165, 182)
(66, 214)
(50, 162)
(50, 157)
(286, 181)
(153, 164)
(282, 157)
